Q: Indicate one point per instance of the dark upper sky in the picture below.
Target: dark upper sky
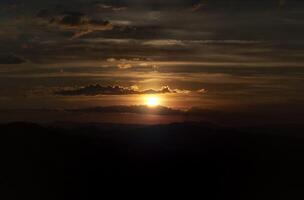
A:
(213, 54)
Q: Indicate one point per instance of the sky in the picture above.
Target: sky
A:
(233, 59)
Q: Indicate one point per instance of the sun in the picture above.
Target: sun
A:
(152, 101)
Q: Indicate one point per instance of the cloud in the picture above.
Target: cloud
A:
(11, 59)
(242, 4)
(123, 63)
(137, 109)
(96, 89)
(198, 6)
(43, 13)
(8, 7)
(202, 91)
(9, 34)
(80, 23)
(163, 43)
(111, 60)
(282, 3)
(124, 66)
(108, 7)
(144, 109)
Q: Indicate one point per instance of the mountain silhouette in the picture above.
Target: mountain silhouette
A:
(85, 161)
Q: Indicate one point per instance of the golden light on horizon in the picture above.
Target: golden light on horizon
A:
(152, 101)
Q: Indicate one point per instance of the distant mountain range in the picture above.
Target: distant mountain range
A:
(79, 161)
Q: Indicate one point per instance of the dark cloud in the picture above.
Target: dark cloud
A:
(78, 22)
(136, 109)
(104, 7)
(198, 4)
(11, 59)
(158, 110)
(92, 90)
(43, 13)
(220, 116)
(71, 19)
(245, 4)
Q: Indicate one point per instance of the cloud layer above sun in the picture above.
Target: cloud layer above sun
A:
(212, 54)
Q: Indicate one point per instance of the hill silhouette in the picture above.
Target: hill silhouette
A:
(82, 161)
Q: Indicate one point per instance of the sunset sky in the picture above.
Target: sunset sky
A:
(177, 57)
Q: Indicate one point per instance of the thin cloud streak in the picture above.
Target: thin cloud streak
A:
(93, 90)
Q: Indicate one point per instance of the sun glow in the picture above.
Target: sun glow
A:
(152, 101)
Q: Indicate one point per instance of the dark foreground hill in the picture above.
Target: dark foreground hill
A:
(69, 161)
